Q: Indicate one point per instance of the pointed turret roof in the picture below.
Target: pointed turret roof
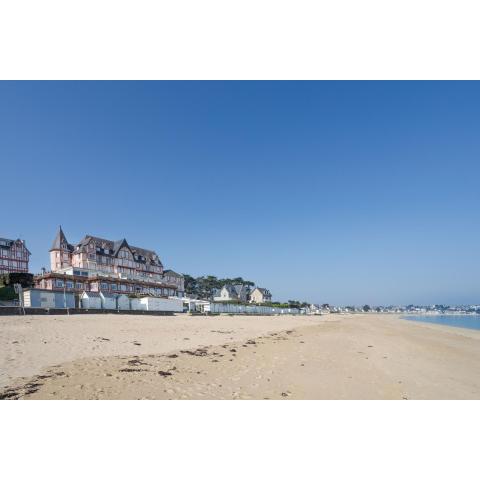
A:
(59, 240)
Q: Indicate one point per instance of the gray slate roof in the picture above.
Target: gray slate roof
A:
(263, 291)
(7, 241)
(171, 273)
(59, 239)
(91, 294)
(236, 291)
(112, 247)
(10, 242)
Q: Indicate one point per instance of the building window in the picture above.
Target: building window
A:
(69, 284)
(79, 285)
(59, 283)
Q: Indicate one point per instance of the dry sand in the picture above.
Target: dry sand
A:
(236, 357)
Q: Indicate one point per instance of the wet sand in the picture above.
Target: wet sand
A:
(367, 356)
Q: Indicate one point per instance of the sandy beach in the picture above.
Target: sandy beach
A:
(363, 356)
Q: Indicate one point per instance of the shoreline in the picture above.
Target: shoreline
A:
(468, 332)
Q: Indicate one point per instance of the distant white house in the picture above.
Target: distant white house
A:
(313, 309)
(260, 295)
(228, 293)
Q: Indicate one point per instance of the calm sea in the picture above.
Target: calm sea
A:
(462, 321)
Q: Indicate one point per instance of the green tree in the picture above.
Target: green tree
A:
(190, 284)
(204, 286)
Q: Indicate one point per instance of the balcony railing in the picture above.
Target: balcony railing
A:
(115, 276)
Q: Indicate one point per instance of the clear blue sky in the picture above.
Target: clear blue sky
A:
(340, 192)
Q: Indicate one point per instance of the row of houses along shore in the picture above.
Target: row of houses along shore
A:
(101, 273)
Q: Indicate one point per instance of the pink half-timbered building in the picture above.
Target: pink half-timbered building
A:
(96, 264)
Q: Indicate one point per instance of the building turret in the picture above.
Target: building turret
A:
(61, 252)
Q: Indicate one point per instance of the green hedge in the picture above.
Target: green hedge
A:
(24, 279)
(7, 294)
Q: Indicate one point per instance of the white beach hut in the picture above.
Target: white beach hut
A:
(123, 302)
(136, 304)
(91, 300)
(109, 301)
(162, 304)
(35, 297)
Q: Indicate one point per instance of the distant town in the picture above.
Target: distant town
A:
(101, 274)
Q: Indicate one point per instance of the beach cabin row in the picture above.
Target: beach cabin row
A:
(108, 301)
(247, 309)
(105, 301)
(38, 298)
